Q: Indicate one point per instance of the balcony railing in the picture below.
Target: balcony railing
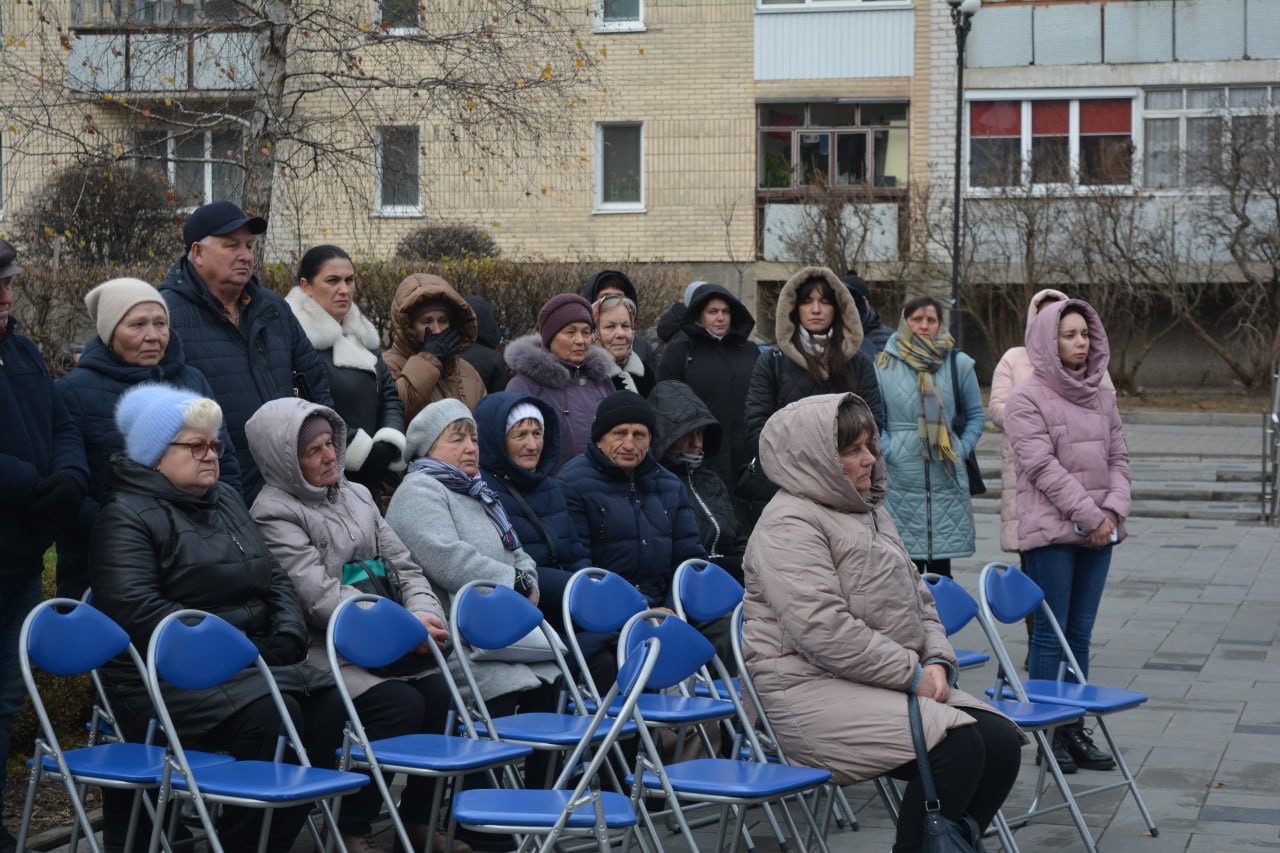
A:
(115, 14)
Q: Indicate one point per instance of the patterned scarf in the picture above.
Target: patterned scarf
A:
(925, 357)
(456, 480)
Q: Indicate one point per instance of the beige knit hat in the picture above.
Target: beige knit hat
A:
(111, 300)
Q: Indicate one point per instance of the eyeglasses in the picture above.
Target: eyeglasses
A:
(200, 449)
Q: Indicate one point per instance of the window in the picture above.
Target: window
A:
(397, 166)
(619, 168)
(1190, 135)
(398, 15)
(831, 143)
(159, 13)
(1050, 142)
(200, 167)
(623, 15)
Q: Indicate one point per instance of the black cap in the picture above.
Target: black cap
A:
(622, 407)
(219, 217)
(8, 255)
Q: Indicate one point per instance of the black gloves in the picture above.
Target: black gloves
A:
(280, 649)
(380, 459)
(55, 500)
(442, 345)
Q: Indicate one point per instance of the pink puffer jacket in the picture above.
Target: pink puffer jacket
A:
(1070, 455)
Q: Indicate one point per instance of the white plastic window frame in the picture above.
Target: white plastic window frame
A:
(1225, 112)
(600, 205)
(394, 211)
(170, 164)
(830, 5)
(606, 26)
(1075, 96)
(395, 31)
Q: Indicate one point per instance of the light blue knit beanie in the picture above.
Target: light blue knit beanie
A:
(149, 416)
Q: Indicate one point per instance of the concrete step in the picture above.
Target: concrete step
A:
(1165, 468)
(1208, 510)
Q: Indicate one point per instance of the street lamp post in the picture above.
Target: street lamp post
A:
(962, 12)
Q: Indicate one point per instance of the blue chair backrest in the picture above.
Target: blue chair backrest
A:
(204, 654)
(603, 603)
(630, 669)
(708, 592)
(956, 607)
(495, 618)
(373, 635)
(684, 649)
(73, 642)
(1011, 594)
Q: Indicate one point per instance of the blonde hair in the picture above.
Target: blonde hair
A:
(202, 414)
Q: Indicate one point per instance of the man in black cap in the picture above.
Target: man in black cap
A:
(45, 476)
(241, 336)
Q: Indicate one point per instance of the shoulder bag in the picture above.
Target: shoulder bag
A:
(976, 485)
(941, 835)
(376, 576)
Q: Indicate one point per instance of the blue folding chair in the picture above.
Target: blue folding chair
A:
(585, 809)
(956, 608)
(1006, 595)
(705, 592)
(732, 784)
(372, 631)
(194, 650)
(66, 637)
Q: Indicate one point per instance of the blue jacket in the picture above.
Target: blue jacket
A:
(544, 494)
(638, 524)
(246, 365)
(90, 393)
(37, 439)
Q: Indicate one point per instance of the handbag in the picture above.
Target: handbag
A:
(376, 576)
(976, 485)
(941, 834)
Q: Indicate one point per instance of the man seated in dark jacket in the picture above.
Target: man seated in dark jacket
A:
(633, 514)
(44, 477)
(241, 336)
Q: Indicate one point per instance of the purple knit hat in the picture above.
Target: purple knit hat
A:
(561, 310)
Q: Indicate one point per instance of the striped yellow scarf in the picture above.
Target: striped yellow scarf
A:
(925, 357)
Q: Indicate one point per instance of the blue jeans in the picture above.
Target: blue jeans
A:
(1072, 578)
(17, 598)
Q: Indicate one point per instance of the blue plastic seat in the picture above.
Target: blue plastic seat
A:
(371, 631)
(956, 608)
(194, 650)
(1006, 596)
(69, 638)
(585, 809)
(705, 592)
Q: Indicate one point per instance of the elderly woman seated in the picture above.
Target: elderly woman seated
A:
(457, 531)
(837, 618)
(324, 530)
(171, 536)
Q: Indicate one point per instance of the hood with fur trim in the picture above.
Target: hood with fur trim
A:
(528, 357)
(353, 341)
(414, 289)
(846, 314)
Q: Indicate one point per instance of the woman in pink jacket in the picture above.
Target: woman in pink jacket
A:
(1073, 488)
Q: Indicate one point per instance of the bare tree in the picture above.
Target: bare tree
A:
(834, 226)
(291, 91)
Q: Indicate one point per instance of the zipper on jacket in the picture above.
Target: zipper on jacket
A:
(635, 509)
(714, 550)
(928, 507)
(238, 545)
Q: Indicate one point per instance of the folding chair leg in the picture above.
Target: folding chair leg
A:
(1068, 797)
(889, 795)
(1005, 833)
(29, 803)
(1128, 776)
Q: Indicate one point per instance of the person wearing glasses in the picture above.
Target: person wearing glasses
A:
(134, 344)
(171, 536)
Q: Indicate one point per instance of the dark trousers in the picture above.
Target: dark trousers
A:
(974, 768)
(17, 599)
(938, 567)
(390, 709)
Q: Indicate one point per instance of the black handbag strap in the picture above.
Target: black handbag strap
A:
(958, 422)
(536, 522)
(923, 763)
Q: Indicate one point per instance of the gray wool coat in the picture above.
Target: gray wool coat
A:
(312, 531)
(454, 541)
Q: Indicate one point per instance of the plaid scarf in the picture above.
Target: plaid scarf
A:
(925, 357)
(456, 480)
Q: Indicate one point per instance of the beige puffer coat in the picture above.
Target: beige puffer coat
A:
(420, 377)
(312, 532)
(1015, 367)
(837, 617)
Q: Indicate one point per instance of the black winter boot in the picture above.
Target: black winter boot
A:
(1083, 749)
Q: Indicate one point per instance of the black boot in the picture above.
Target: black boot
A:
(1082, 748)
(1066, 763)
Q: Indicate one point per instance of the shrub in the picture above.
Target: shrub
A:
(101, 213)
(449, 241)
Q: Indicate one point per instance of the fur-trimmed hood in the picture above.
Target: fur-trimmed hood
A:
(527, 356)
(846, 314)
(353, 342)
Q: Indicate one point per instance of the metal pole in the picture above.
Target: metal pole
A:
(962, 21)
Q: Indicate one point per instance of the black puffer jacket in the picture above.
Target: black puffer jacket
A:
(680, 412)
(156, 550)
(719, 372)
(483, 355)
